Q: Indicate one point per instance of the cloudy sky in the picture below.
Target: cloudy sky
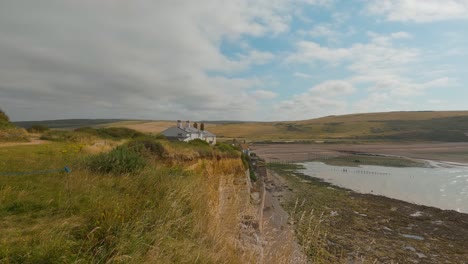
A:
(230, 59)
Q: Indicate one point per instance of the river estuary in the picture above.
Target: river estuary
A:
(443, 185)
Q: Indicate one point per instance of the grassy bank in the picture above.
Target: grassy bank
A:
(165, 210)
(336, 225)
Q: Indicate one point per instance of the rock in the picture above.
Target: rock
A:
(412, 236)
(410, 248)
(417, 214)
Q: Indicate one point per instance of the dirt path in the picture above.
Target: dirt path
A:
(281, 246)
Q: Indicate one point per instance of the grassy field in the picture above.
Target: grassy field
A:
(144, 201)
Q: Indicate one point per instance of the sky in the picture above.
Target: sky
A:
(258, 60)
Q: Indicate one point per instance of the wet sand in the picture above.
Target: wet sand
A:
(452, 152)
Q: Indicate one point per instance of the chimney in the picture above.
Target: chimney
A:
(179, 124)
(187, 124)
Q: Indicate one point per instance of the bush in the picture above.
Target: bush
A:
(111, 133)
(202, 147)
(3, 116)
(227, 149)
(62, 136)
(38, 129)
(198, 142)
(12, 134)
(120, 160)
(147, 146)
(119, 132)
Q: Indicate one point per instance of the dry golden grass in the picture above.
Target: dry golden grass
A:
(167, 213)
(144, 126)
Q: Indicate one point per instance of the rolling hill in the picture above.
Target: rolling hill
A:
(445, 126)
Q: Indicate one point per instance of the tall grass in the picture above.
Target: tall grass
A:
(163, 213)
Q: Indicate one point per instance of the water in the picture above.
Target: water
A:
(445, 187)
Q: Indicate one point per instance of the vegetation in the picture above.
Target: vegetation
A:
(10, 133)
(3, 116)
(119, 161)
(38, 129)
(113, 208)
(111, 132)
(148, 147)
(66, 123)
(87, 134)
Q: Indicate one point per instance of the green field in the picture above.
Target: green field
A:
(134, 203)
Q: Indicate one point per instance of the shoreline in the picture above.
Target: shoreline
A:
(373, 227)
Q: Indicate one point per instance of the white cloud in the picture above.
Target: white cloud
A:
(400, 35)
(264, 95)
(302, 75)
(309, 52)
(322, 30)
(327, 98)
(138, 59)
(419, 10)
(378, 54)
(333, 88)
(383, 70)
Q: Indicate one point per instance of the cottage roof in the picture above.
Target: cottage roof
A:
(181, 132)
(175, 132)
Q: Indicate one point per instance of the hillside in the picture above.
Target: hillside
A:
(446, 126)
(426, 126)
(66, 123)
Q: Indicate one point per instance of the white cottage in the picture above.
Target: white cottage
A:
(186, 133)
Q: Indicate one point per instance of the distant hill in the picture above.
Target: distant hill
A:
(67, 123)
(394, 126)
(445, 126)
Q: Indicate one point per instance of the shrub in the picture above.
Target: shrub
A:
(61, 136)
(38, 129)
(227, 149)
(198, 142)
(202, 147)
(12, 134)
(88, 130)
(3, 116)
(111, 133)
(119, 132)
(147, 146)
(120, 160)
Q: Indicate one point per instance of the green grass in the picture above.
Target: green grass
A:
(161, 213)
